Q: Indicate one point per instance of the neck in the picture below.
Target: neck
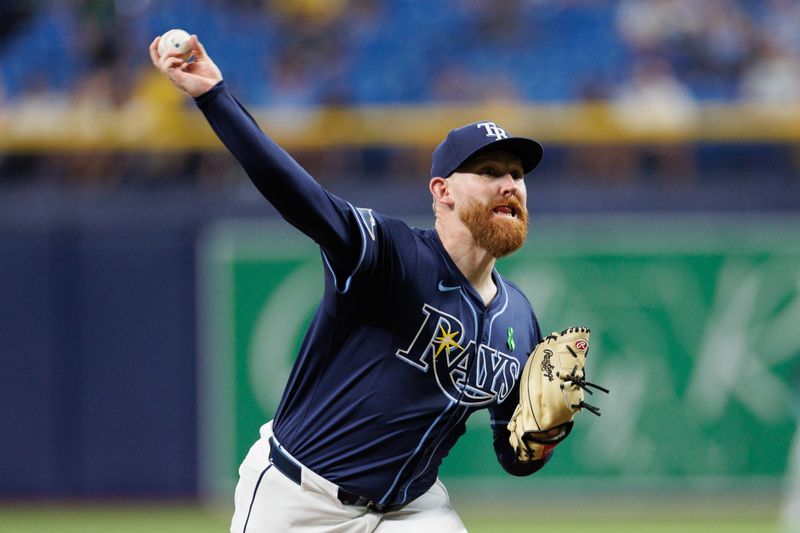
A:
(474, 262)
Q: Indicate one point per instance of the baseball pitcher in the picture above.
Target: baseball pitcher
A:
(415, 331)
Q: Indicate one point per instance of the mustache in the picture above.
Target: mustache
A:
(512, 202)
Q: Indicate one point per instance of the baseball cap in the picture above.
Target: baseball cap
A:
(472, 139)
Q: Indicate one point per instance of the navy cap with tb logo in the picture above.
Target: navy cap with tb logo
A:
(472, 139)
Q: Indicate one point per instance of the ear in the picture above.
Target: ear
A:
(440, 190)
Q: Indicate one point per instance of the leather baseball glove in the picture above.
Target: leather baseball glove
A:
(550, 393)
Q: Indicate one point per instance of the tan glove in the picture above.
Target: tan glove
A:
(550, 393)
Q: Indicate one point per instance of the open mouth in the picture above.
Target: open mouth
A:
(506, 211)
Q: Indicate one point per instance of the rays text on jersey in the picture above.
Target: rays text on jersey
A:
(466, 372)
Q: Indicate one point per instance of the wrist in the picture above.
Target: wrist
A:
(210, 93)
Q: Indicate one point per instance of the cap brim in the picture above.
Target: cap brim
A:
(527, 150)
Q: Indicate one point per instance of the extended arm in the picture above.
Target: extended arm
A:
(294, 193)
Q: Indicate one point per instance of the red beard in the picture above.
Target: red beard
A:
(497, 235)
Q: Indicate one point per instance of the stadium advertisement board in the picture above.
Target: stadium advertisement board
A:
(694, 330)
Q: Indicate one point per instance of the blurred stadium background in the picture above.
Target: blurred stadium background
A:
(151, 300)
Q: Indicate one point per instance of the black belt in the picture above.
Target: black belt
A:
(291, 470)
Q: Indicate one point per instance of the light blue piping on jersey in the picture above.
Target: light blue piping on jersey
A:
(474, 314)
(471, 307)
(416, 451)
(501, 311)
(435, 422)
(492, 421)
(360, 259)
(475, 335)
(466, 410)
(430, 457)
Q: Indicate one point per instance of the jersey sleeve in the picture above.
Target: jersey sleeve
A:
(506, 455)
(330, 221)
(387, 255)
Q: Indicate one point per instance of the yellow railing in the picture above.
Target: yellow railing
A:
(51, 126)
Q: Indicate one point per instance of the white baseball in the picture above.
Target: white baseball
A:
(175, 40)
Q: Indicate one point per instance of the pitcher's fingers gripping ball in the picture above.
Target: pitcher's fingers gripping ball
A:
(550, 393)
(176, 40)
(194, 77)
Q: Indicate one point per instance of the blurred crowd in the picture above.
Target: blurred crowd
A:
(667, 55)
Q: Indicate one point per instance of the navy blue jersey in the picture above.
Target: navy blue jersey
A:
(401, 349)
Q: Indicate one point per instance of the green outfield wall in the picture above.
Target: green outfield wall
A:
(695, 328)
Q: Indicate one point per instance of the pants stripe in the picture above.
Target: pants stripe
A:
(255, 490)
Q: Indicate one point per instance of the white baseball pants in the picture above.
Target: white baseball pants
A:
(268, 501)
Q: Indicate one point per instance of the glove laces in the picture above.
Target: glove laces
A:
(579, 380)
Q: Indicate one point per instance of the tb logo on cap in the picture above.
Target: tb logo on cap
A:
(493, 130)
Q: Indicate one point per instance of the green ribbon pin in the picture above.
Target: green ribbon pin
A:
(510, 339)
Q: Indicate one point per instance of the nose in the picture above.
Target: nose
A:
(508, 185)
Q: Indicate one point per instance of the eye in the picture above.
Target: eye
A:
(489, 171)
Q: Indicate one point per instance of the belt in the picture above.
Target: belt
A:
(292, 470)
